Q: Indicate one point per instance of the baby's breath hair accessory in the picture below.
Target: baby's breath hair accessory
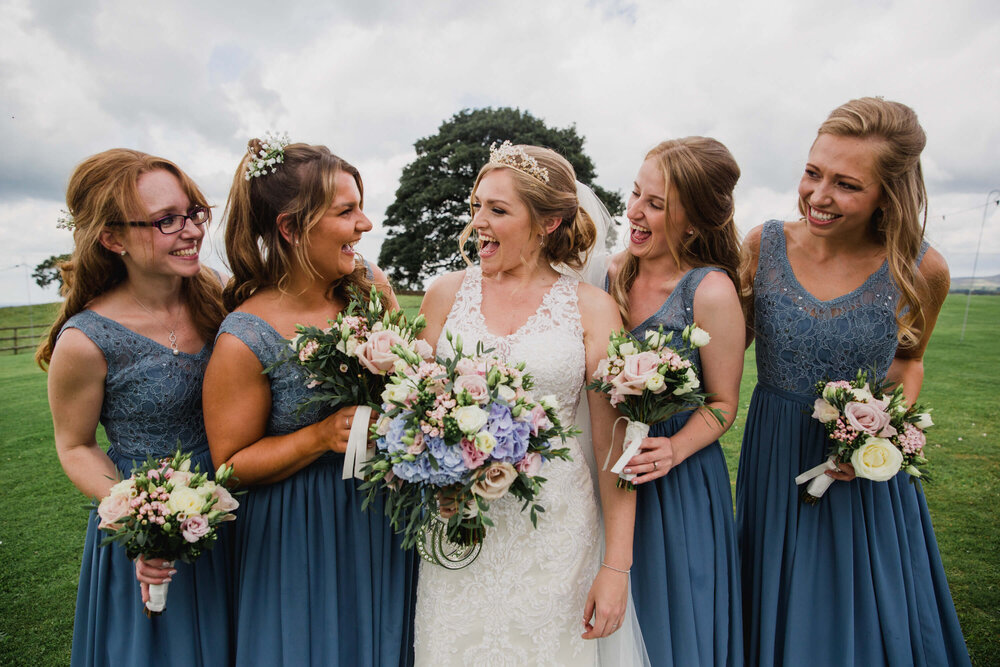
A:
(271, 154)
(515, 157)
(65, 221)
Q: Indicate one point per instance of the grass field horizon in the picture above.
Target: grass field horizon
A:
(42, 521)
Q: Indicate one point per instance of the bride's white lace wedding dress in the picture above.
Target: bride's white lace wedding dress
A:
(521, 602)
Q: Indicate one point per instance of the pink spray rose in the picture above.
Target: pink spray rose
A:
(530, 464)
(476, 385)
(539, 420)
(466, 366)
(424, 349)
(194, 528)
(376, 353)
(869, 419)
(472, 456)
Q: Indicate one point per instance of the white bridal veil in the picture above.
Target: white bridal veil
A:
(625, 648)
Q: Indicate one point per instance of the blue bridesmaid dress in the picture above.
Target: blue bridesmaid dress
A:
(685, 569)
(318, 580)
(857, 578)
(152, 401)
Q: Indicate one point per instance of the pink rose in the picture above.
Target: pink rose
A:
(472, 456)
(476, 385)
(376, 353)
(194, 528)
(539, 420)
(638, 368)
(112, 509)
(424, 349)
(869, 419)
(418, 444)
(530, 464)
(466, 366)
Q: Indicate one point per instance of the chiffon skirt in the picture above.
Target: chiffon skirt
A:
(853, 580)
(319, 581)
(685, 572)
(110, 627)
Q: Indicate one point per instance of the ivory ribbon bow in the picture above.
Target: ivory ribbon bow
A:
(820, 482)
(357, 444)
(634, 434)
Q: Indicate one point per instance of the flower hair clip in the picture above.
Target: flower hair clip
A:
(66, 221)
(271, 154)
(515, 157)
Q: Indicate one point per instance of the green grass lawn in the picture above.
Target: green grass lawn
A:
(42, 522)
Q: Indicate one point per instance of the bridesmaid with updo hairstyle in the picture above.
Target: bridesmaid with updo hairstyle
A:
(855, 579)
(318, 580)
(128, 350)
(681, 267)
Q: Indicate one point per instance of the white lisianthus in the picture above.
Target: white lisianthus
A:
(824, 412)
(506, 393)
(690, 383)
(626, 349)
(877, 460)
(655, 383)
(912, 470)
(395, 393)
(699, 337)
(400, 367)
(653, 338)
(549, 401)
(924, 421)
(350, 346)
(471, 418)
(294, 342)
(341, 347)
(485, 442)
(862, 395)
(185, 500)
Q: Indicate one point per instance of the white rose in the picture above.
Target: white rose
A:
(626, 349)
(494, 481)
(924, 421)
(877, 460)
(186, 500)
(699, 337)
(655, 383)
(471, 418)
(824, 412)
(507, 394)
(395, 393)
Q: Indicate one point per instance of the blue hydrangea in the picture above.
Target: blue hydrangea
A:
(393, 439)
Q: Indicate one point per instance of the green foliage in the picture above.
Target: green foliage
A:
(47, 272)
(432, 201)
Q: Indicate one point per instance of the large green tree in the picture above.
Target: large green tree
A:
(47, 271)
(432, 202)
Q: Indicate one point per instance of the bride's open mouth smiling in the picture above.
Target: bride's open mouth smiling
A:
(488, 245)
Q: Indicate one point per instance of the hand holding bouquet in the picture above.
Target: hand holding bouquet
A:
(649, 382)
(166, 510)
(349, 362)
(872, 429)
(457, 434)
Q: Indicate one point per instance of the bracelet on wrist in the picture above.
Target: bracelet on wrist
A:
(603, 564)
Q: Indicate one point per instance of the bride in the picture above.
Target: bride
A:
(534, 596)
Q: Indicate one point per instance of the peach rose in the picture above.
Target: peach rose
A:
(494, 481)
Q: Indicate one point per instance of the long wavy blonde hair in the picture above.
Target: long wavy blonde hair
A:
(898, 224)
(703, 173)
(103, 189)
(303, 188)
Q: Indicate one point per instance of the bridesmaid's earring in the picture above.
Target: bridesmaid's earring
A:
(122, 253)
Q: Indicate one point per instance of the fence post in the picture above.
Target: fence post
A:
(15, 340)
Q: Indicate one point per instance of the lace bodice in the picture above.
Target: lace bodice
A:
(677, 312)
(288, 380)
(801, 339)
(521, 601)
(152, 398)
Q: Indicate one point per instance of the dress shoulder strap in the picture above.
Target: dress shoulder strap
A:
(266, 343)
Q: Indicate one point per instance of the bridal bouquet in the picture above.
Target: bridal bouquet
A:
(350, 362)
(166, 510)
(649, 382)
(870, 428)
(454, 436)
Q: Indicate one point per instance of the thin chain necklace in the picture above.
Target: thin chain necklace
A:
(170, 330)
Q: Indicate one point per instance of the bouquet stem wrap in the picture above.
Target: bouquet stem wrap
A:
(158, 596)
(635, 431)
(820, 482)
(357, 444)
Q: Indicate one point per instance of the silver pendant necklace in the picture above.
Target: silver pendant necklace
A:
(170, 330)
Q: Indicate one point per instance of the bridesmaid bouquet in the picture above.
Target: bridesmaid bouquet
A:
(350, 362)
(454, 436)
(166, 510)
(878, 436)
(648, 382)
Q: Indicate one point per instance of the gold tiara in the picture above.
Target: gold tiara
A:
(515, 157)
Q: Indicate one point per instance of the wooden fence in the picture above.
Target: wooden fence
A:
(18, 340)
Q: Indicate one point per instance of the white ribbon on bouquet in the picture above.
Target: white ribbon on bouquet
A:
(158, 595)
(820, 482)
(635, 432)
(357, 444)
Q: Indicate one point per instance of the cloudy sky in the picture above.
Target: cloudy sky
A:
(192, 81)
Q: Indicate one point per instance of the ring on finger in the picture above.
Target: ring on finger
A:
(655, 465)
(347, 422)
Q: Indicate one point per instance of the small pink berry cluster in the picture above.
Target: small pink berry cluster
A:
(912, 440)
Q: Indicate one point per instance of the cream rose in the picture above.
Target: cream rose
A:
(699, 337)
(395, 393)
(824, 412)
(186, 500)
(485, 442)
(494, 481)
(471, 418)
(506, 393)
(877, 460)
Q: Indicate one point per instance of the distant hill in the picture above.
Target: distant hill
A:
(981, 284)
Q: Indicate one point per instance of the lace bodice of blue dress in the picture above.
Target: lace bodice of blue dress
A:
(145, 379)
(802, 340)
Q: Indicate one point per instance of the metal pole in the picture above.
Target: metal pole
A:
(993, 196)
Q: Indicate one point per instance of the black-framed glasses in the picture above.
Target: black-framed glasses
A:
(171, 224)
